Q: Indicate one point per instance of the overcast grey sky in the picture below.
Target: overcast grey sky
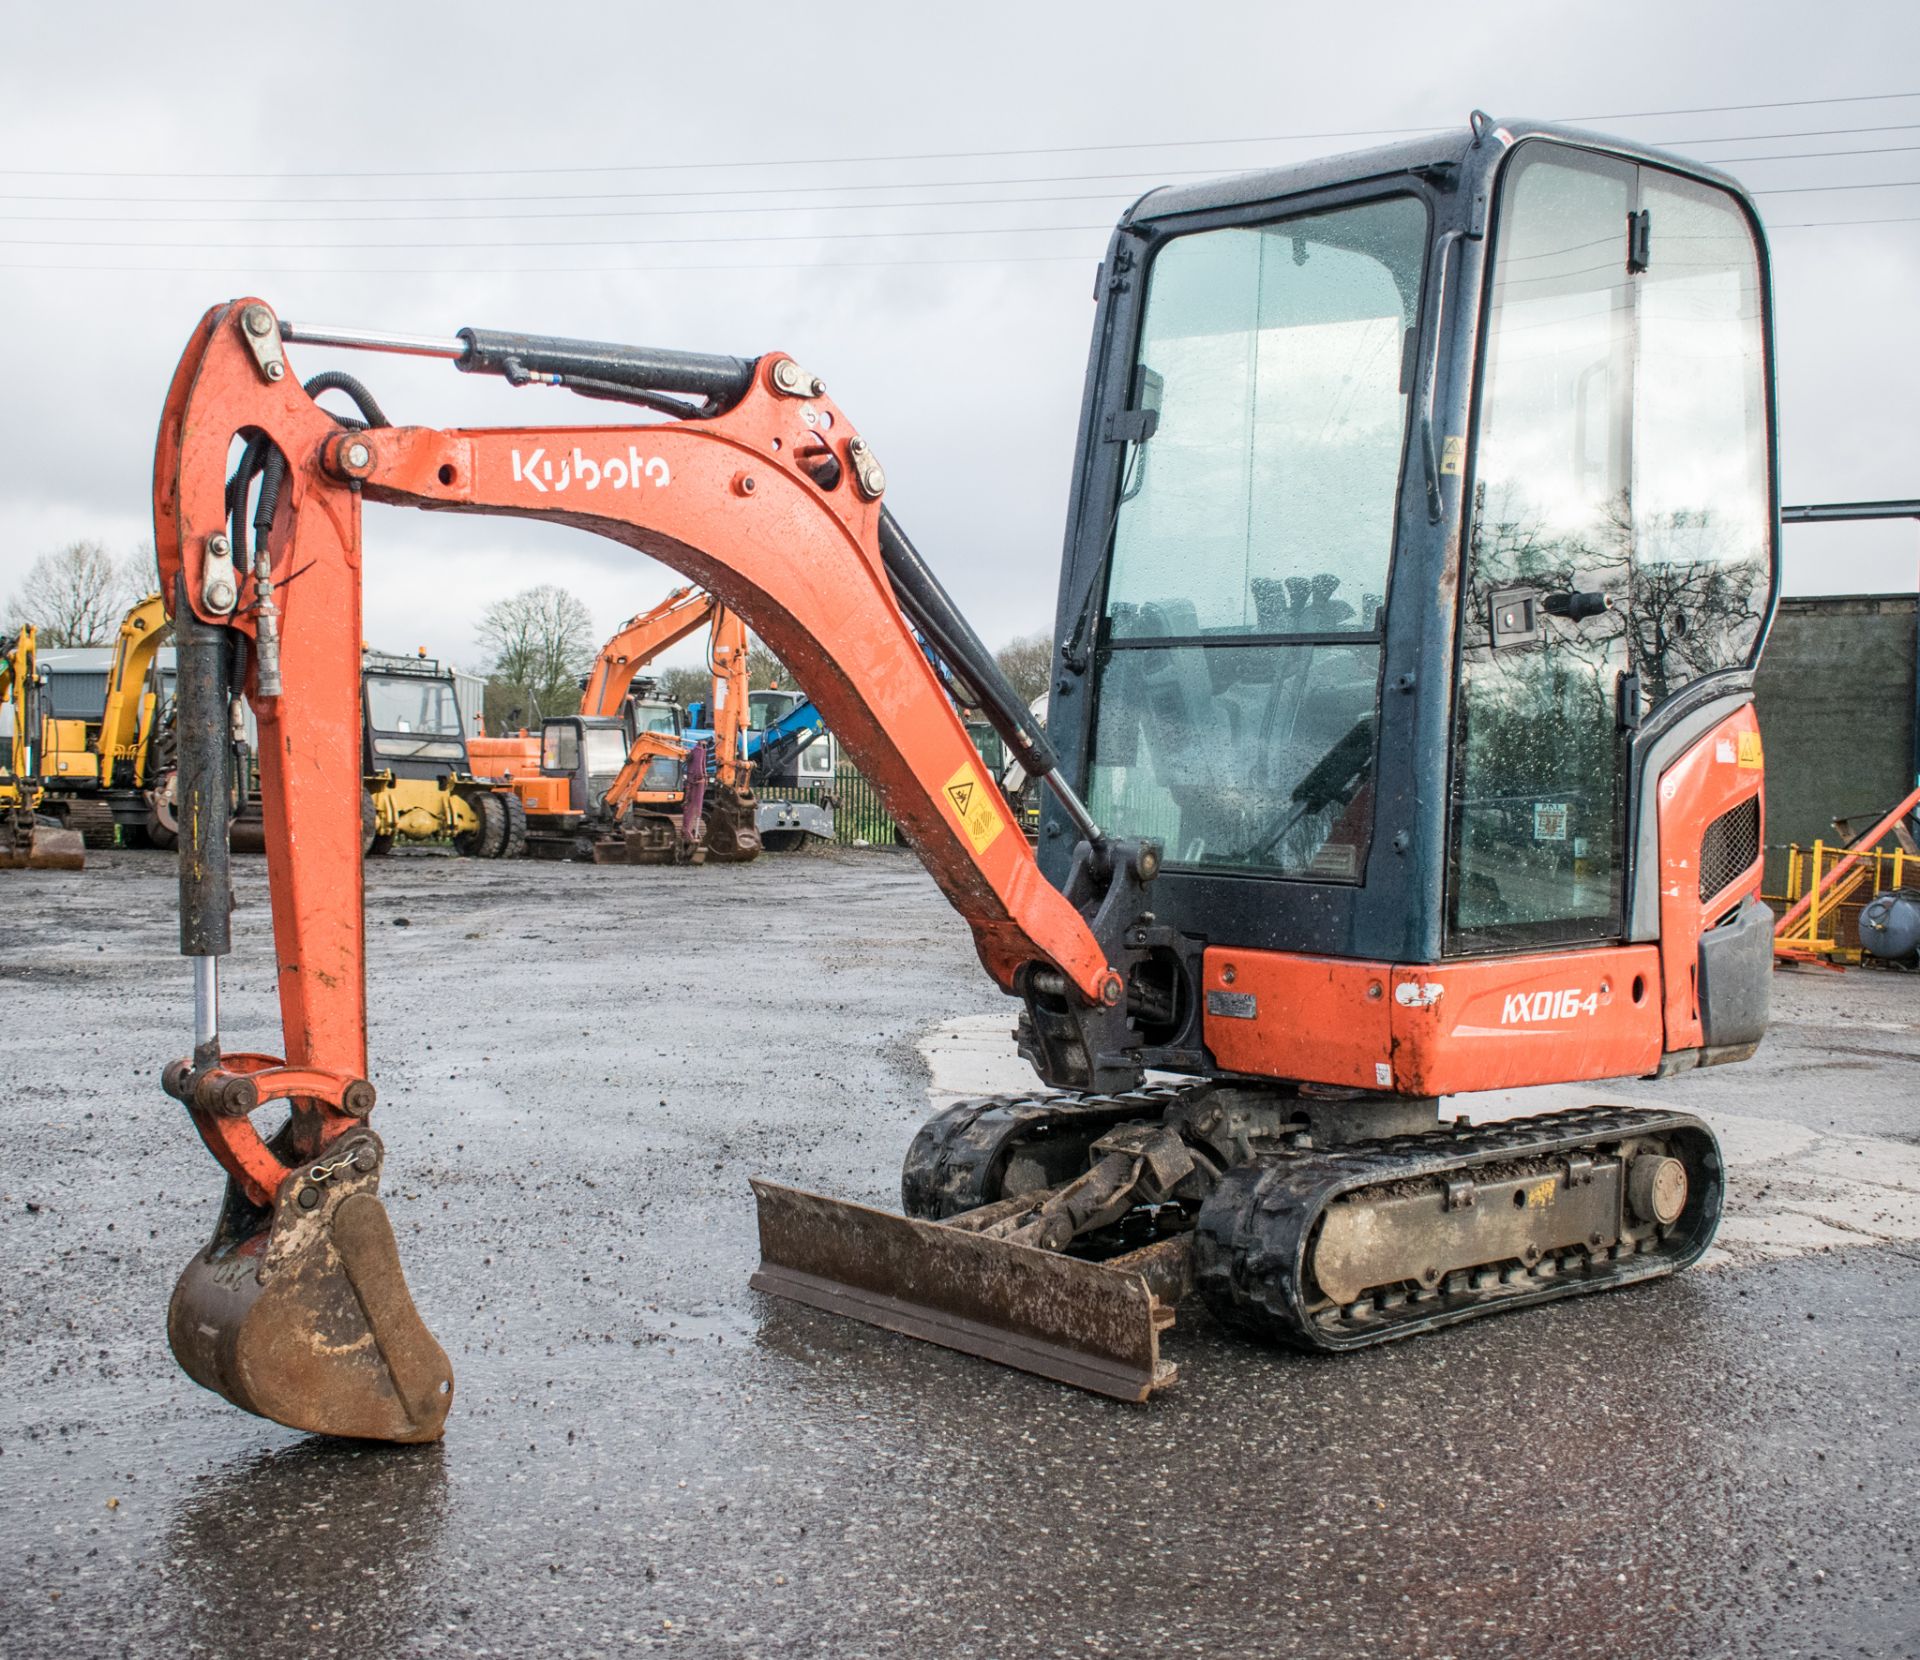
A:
(684, 176)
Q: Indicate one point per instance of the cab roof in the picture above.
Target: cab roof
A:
(1456, 148)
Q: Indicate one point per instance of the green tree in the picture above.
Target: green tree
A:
(764, 669)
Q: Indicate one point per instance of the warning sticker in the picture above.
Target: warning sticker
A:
(1750, 755)
(1453, 455)
(972, 804)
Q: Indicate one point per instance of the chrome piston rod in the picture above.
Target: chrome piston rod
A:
(373, 340)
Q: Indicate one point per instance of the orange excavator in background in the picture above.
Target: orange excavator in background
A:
(1422, 542)
(612, 783)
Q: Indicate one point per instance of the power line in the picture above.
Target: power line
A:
(555, 270)
(1813, 155)
(683, 241)
(741, 265)
(925, 155)
(1822, 189)
(760, 208)
(521, 242)
(1149, 175)
(703, 193)
(564, 213)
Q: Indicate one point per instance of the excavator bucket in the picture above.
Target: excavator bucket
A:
(300, 1312)
(1088, 1324)
(39, 844)
(52, 848)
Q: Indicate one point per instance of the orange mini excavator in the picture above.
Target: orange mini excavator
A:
(610, 783)
(1401, 744)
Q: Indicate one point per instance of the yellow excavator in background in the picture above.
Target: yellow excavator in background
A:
(115, 770)
(28, 839)
(112, 770)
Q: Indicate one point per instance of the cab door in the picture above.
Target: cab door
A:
(1619, 541)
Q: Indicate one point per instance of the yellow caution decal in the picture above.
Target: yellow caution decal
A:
(1750, 752)
(972, 804)
(1540, 1194)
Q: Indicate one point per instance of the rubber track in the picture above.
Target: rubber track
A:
(956, 1161)
(1253, 1236)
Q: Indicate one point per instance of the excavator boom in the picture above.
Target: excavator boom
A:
(778, 521)
(637, 642)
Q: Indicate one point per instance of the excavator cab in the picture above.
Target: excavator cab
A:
(587, 751)
(29, 839)
(1425, 516)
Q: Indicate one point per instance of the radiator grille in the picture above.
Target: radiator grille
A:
(1729, 847)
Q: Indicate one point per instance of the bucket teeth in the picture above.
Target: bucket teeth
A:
(301, 1313)
(1060, 1317)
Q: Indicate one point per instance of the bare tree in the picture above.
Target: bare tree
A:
(540, 643)
(764, 669)
(140, 574)
(1027, 662)
(685, 685)
(74, 596)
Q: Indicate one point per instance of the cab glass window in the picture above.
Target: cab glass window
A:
(1253, 531)
(1702, 532)
(1620, 539)
(560, 747)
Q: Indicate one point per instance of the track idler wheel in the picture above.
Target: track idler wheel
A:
(299, 1311)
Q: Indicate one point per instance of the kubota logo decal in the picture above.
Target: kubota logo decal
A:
(1523, 1008)
(617, 472)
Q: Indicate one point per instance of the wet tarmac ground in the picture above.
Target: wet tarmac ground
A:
(580, 1067)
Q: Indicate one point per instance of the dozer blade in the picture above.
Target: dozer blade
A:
(1059, 1317)
(301, 1313)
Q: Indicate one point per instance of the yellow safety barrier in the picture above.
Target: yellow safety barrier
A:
(1833, 896)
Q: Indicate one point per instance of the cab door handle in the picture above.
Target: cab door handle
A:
(1576, 604)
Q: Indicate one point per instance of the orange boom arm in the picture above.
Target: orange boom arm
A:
(639, 640)
(735, 501)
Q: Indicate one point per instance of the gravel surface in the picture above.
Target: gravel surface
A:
(579, 1068)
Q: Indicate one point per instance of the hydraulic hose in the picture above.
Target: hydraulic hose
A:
(931, 609)
(934, 613)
